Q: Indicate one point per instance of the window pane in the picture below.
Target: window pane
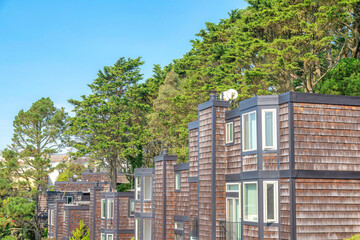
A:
(109, 237)
(269, 130)
(232, 187)
(137, 229)
(270, 201)
(137, 187)
(250, 202)
(249, 135)
(147, 188)
(230, 210)
(132, 207)
(147, 229)
(103, 236)
(229, 132)
(102, 208)
(177, 181)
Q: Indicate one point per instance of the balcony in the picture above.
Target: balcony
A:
(230, 230)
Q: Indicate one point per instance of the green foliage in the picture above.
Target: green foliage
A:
(355, 237)
(124, 187)
(69, 169)
(343, 79)
(81, 233)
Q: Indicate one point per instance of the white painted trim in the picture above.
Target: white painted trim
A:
(276, 201)
(257, 203)
(243, 131)
(274, 129)
(227, 134)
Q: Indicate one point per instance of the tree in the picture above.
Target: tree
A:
(108, 122)
(37, 134)
(81, 233)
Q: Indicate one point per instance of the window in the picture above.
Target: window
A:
(229, 138)
(137, 229)
(137, 188)
(177, 181)
(147, 188)
(232, 187)
(52, 217)
(110, 237)
(249, 131)
(69, 199)
(102, 208)
(179, 225)
(179, 237)
(146, 229)
(132, 207)
(110, 208)
(49, 217)
(270, 201)
(250, 202)
(103, 236)
(269, 128)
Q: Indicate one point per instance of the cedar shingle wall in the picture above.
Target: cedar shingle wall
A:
(103, 176)
(170, 199)
(193, 201)
(250, 162)
(271, 233)
(251, 232)
(234, 151)
(285, 208)
(220, 168)
(182, 197)
(75, 217)
(327, 137)
(158, 200)
(193, 153)
(125, 222)
(284, 136)
(270, 161)
(205, 117)
(327, 208)
(97, 208)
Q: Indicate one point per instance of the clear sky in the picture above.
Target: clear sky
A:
(55, 48)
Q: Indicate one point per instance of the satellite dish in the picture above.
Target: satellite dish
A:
(229, 95)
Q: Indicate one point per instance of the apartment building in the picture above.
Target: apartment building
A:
(276, 167)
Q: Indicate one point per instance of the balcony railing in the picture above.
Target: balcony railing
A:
(230, 230)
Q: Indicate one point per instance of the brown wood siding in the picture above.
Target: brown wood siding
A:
(193, 152)
(125, 222)
(205, 119)
(284, 136)
(158, 200)
(270, 161)
(182, 197)
(327, 137)
(234, 151)
(271, 233)
(193, 202)
(285, 208)
(250, 232)
(327, 208)
(250, 162)
(220, 169)
(170, 199)
(74, 221)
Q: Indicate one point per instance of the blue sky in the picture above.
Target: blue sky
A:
(55, 48)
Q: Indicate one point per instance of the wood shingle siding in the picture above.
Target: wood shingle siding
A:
(285, 208)
(284, 136)
(158, 200)
(327, 208)
(327, 137)
(270, 161)
(193, 152)
(250, 162)
(251, 232)
(271, 233)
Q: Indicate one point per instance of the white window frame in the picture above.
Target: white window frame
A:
(177, 181)
(243, 131)
(234, 207)
(144, 186)
(229, 136)
(230, 184)
(103, 207)
(67, 197)
(110, 208)
(274, 129)
(257, 202)
(49, 217)
(131, 202)
(179, 225)
(103, 236)
(137, 188)
(110, 235)
(276, 201)
(52, 217)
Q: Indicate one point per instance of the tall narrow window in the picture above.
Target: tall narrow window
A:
(137, 229)
(270, 201)
(102, 208)
(229, 138)
(233, 214)
(249, 131)
(177, 181)
(250, 202)
(52, 217)
(269, 128)
(132, 207)
(147, 188)
(137, 188)
(146, 229)
(110, 208)
(103, 236)
(110, 237)
(49, 217)
(69, 199)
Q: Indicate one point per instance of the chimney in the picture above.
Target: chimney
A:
(213, 95)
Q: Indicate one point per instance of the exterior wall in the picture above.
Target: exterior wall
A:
(182, 200)
(285, 208)
(102, 177)
(73, 216)
(60, 230)
(205, 127)
(158, 200)
(95, 212)
(79, 186)
(327, 137)
(284, 135)
(170, 199)
(193, 152)
(234, 150)
(327, 208)
(250, 163)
